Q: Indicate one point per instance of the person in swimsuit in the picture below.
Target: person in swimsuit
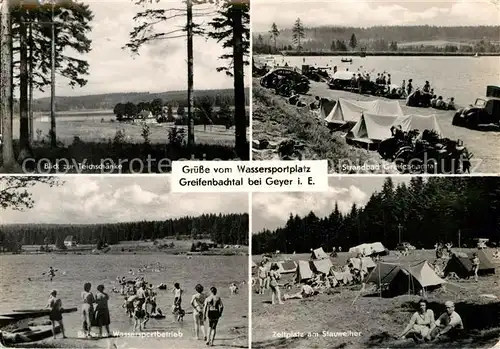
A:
(102, 310)
(51, 273)
(262, 277)
(87, 309)
(177, 306)
(475, 265)
(274, 277)
(198, 302)
(420, 323)
(213, 311)
(55, 306)
(139, 316)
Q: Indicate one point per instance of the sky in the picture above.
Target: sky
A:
(271, 210)
(159, 67)
(366, 13)
(97, 199)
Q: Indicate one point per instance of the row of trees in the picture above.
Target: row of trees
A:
(422, 213)
(221, 228)
(376, 39)
(109, 100)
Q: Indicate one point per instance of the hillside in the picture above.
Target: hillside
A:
(321, 38)
(108, 101)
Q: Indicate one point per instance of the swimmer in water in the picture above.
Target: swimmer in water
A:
(51, 273)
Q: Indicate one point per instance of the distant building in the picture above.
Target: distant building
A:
(145, 114)
(70, 241)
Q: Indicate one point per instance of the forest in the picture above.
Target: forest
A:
(422, 213)
(480, 39)
(108, 101)
(221, 228)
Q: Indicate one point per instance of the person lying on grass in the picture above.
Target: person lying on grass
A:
(305, 292)
(420, 323)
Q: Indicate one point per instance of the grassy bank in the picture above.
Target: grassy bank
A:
(344, 309)
(275, 120)
(387, 53)
(116, 158)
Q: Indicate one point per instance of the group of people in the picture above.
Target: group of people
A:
(268, 276)
(424, 327)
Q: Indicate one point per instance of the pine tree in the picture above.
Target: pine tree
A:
(298, 33)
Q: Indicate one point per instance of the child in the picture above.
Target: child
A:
(128, 304)
(177, 307)
(55, 306)
(139, 316)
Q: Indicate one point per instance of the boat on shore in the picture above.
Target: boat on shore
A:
(346, 60)
(21, 314)
(27, 335)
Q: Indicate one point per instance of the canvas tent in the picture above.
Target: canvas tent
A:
(318, 254)
(326, 106)
(365, 262)
(376, 127)
(346, 110)
(286, 267)
(322, 266)
(304, 271)
(462, 266)
(395, 279)
(375, 248)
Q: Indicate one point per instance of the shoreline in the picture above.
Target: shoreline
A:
(379, 53)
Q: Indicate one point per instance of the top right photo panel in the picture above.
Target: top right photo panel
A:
(378, 86)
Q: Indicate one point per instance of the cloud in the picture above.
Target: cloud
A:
(94, 199)
(365, 13)
(271, 210)
(159, 67)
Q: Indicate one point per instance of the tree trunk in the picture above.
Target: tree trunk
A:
(30, 77)
(6, 95)
(24, 141)
(53, 138)
(240, 119)
(190, 75)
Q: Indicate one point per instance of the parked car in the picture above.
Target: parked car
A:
(484, 111)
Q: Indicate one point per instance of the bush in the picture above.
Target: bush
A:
(176, 136)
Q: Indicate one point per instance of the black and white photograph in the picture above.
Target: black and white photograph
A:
(122, 86)
(375, 262)
(378, 86)
(120, 262)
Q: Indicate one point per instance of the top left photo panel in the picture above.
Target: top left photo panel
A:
(122, 86)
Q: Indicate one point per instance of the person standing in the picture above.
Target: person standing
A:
(475, 265)
(87, 309)
(198, 302)
(102, 310)
(213, 311)
(55, 306)
(274, 277)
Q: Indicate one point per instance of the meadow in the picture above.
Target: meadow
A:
(377, 319)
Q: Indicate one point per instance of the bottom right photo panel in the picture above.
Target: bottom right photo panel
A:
(374, 262)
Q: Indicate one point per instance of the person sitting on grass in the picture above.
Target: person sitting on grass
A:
(449, 323)
(420, 323)
(305, 292)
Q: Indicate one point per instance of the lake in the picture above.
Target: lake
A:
(219, 271)
(464, 78)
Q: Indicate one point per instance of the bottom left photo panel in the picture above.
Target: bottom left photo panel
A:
(121, 262)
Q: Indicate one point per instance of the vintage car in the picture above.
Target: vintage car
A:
(286, 76)
(341, 80)
(317, 74)
(484, 111)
